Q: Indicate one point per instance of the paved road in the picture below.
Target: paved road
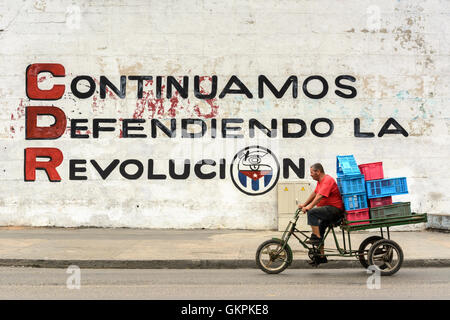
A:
(408, 283)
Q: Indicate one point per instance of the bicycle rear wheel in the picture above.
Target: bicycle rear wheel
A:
(386, 255)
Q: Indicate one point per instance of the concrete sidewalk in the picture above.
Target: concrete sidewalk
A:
(137, 248)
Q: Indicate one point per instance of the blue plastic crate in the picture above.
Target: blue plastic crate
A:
(386, 187)
(346, 166)
(352, 184)
(355, 201)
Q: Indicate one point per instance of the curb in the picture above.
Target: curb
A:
(200, 264)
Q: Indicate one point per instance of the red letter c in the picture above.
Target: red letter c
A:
(32, 89)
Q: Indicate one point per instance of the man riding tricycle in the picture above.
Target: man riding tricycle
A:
(325, 211)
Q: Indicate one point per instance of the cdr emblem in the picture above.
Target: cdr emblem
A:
(255, 170)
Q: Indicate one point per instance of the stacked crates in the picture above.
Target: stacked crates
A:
(374, 171)
(352, 187)
(366, 193)
(381, 190)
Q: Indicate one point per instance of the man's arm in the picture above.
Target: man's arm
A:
(308, 201)
(316, 200)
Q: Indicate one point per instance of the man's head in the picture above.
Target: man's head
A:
(316, 171)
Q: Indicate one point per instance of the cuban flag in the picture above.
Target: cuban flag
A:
(255, 177)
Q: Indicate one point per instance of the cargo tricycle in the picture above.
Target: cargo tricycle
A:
(275, 255)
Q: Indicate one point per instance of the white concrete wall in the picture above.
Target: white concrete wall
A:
(398, 51)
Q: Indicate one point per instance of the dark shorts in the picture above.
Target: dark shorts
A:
(322, 216)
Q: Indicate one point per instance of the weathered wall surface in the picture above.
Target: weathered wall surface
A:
(398, 52)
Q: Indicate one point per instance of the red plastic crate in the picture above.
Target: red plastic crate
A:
(372, 171)
(379, 202)
(355, 215)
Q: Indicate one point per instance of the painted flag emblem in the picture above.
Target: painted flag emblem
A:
(255, 170)
(255, 176)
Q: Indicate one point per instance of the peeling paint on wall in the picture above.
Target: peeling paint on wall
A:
(399, 63)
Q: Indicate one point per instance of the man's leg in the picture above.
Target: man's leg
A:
(315, 220)
(330, 215)
(315, 217)
(322, 228)
(315, 230)
(319, 219)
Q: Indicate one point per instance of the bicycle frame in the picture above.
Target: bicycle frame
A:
(291, 230)
(363, 254)
(381, 223)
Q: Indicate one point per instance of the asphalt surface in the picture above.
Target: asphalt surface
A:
(408, 283)
(190, 249)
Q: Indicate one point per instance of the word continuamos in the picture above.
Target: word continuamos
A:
(233, 85)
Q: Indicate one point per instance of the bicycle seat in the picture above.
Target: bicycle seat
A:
(337, 222)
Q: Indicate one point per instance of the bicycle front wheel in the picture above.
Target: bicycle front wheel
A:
(271, 257)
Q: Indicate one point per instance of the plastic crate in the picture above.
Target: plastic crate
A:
(355, 215)
(352, 184)
(346, 166)
(386, 187)
(372, 171)
(399, 209)
(355, 201)
(378, 202)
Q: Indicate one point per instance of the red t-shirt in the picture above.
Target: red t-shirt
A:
(328, 188)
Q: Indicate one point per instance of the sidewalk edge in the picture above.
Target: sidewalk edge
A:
(200, 264)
